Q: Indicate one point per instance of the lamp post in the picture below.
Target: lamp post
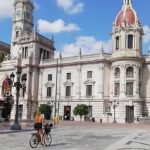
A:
(55, 122)
(18, 85)
(114, 107)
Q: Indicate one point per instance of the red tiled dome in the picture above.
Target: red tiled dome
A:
(119, 18)
(128, 15)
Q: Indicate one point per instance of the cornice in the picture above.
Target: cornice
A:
(124, 58)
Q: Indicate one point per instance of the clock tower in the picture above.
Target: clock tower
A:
(22, 18)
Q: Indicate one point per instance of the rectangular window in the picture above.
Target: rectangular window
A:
(68, 91)
(49, 77)
(68, 76)
(130, 41)
(89, 74)
(88, 90)
(117, 89)
(41, 53)
(49, 91)
(23, 52)
(47, 55)
(129, 89)
(26, 52)
(44, 55)
(17, 33)
(117, 42)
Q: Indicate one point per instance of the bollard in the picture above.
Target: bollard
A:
(100, 120)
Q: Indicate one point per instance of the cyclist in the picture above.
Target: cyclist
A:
(38, 122)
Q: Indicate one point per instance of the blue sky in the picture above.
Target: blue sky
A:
(77, 24)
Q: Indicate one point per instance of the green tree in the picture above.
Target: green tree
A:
(81, 110)
(1, 57)
(46, 110)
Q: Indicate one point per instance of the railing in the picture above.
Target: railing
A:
(72, 59)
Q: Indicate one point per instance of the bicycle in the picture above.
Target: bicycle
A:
(36, 139)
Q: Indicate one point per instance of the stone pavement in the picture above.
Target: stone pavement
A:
(84, 136)
(5, 126)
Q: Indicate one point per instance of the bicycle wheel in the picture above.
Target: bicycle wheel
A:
(47, 139)
(34, 141)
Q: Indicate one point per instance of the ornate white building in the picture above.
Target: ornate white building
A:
(115, 83)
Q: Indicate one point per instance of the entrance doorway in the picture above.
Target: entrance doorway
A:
(67, 112)
(129, 114)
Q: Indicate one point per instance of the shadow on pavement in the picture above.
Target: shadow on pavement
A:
(132, 149)
(59, 144)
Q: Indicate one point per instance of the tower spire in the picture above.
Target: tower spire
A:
(128, 2)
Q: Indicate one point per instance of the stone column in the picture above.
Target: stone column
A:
(28, 85)
(122, 81)
(59, 82)
(136, 85)
(59, 78)
(101, 84)
(111, 85)
(40, 85)
(79, 83)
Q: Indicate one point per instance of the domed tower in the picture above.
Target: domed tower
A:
(126, 64)
(127, 32)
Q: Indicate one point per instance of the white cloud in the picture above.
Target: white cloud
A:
(146, 38)
(56, 26)
(6, 8)
(70, 6)
(88, 45)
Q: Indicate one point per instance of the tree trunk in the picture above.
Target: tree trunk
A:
(80, 118)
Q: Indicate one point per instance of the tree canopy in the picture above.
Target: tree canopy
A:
(46, 109)
(81, 110)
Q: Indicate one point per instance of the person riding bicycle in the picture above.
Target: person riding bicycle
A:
(38, 122)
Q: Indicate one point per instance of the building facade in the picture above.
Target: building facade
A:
(114, 86)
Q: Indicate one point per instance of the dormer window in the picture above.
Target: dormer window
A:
(117, 42)
(130, 41)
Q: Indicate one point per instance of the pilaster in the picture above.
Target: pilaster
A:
(101, 82)
(122, 81)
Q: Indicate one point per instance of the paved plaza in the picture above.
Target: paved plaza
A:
(82, 136)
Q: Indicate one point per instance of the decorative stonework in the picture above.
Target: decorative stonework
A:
(9, 57)
(49, 84)
(87, 82)
(68, 83)
(26, 38)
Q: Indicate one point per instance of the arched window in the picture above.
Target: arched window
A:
(130, 41)
(117, 42)
(129, 72)
(117, 73)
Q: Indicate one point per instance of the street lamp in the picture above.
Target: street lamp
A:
(18, 85)
(114, 107)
